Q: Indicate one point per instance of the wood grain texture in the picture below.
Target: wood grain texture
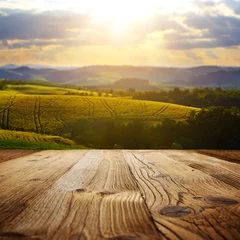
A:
(119, 195)
(221, 170)
(231, 156)
(185, 203)
(96, 199)
(6, 155)
(24, 179)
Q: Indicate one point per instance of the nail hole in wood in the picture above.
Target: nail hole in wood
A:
(81, 190)
(105, 193)
(35, 180)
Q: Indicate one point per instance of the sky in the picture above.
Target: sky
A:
(127, 32)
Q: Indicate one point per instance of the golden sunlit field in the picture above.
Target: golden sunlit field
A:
(44, 90)
(33, 137)
(49, 114)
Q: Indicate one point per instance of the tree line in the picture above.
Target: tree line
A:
(197, 97)
(210, 128)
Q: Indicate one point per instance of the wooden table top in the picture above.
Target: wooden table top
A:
(122, 194)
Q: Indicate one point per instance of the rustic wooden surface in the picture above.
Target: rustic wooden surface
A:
(119, 195)
(6, 155)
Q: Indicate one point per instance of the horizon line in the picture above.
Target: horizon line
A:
(33, 65)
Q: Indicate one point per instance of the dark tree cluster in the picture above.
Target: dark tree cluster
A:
(197, 97)
(79, 93)
(211, 128)
(3, 84)
(32, 82)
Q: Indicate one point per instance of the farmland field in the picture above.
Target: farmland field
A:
(28, 140)
(33, 137)
(43, 90)
(48, 114)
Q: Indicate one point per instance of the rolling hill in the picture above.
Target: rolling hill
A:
(34, 137)
(51, 114)
(30, 140)
(45, 90)
(107, 75)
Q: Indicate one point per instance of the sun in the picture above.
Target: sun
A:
(122, 10)
(118, 14)
(121, 13)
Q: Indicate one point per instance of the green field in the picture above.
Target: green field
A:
(43, 90)
(34, 137)
(21, 144)
(28, 140)
(49, 114)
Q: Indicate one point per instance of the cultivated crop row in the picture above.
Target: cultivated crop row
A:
(51, 114)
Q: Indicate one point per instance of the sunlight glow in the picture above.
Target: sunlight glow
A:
(119, 14)
(116, 14)
(106, 9)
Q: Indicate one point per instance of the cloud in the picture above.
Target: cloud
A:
(192, 55)
(205, 31)
(234, 5)
(66, 28)
(210, 54)
(46, 25)
(26, 29)
(157, 22)
(207, 27)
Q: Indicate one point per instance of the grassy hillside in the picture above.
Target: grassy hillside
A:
(21, 144)
(34, 137)
(50, 114)
(28, 140)
(43, 90)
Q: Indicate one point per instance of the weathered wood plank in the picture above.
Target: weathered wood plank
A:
(96, 199)
(227, 155)
(185, 203)
(222, 170)
(6, 155)
(25, 178)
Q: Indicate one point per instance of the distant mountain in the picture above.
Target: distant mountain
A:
(220, 78)
(9, 66)
(25, 73)
(95, 75)
(109, 75)
(36, 66)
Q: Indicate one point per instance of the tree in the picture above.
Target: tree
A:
(131, 91)
(3, 85)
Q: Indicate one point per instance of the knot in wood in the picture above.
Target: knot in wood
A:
(175, 211)
(222, 200)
